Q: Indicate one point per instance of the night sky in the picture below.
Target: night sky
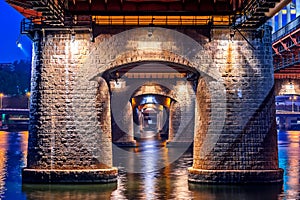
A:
(9, 34)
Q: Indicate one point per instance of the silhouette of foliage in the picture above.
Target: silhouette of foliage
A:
(15, 79)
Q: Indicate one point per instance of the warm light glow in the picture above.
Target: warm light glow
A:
(168, 102)
(28, 94)
(73, 47)
(133, 102)
(1, 95)
(143, 45)
(290, 89)
(293, 174)
(161, 107)
(160, 20)
(293, 98)
(3, 158)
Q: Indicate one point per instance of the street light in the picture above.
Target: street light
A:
(1, 97)
(28, 96)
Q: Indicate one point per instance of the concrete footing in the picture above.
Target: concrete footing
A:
(235, 176)
(69, 176)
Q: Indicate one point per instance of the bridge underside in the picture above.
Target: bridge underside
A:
(86, 13)
(105, 72)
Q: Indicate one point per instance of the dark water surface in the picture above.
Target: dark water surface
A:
(169, 182)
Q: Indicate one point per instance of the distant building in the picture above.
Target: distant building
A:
(286, 51)
(286, 15)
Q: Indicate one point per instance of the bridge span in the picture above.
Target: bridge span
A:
(108, 73)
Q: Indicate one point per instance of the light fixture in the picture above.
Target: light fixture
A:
(91, 30)
(18, 43)
(43, 35)
(290, 85)
(92, 38)
(150, 30)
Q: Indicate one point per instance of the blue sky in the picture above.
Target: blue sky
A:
(9, 34)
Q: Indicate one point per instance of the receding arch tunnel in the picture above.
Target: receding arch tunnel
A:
(151, 116)
(148, 99)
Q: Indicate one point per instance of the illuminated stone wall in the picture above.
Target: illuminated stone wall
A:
(70, 129)
(245, 150)
(235, 133)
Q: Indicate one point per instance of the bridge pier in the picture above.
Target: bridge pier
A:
(181, 120)
(174, 120)
(246, 150)
(122, 126)
(69, 132)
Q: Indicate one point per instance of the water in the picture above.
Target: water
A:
(169, 182)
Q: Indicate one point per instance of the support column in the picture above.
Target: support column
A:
(136, 123)
(122, 126)
(141, 120)
(66, 144)
(182, 120)
(159, 121)
(243, 148)
(174, 121)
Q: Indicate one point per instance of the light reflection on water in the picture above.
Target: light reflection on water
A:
(169, 182)
(289, 160)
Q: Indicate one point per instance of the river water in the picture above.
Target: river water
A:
(169, 182)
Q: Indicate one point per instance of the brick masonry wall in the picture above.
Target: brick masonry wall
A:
(68, 121)
(235, 105)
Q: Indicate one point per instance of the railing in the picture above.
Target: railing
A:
(286, 62)
(14, 111)
(27, 26)
(285, 112)
(287, 29)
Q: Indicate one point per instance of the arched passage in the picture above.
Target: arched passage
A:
(152, 88)
(151, 115)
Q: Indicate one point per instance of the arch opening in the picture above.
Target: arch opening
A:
(151, 116)
(152, 100)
